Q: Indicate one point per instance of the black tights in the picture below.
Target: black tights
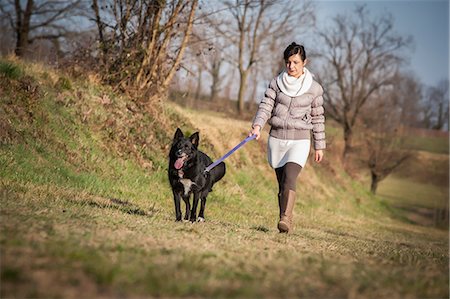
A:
(287, 176)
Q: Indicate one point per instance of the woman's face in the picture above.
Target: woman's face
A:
(294, 65)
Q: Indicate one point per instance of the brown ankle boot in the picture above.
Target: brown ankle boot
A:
(286, 202)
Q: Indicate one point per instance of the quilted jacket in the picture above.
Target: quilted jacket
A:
(293, 117)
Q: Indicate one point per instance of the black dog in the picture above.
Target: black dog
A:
(187, 175)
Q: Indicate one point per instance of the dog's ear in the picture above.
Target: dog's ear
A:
(178, 134)
(195, 139)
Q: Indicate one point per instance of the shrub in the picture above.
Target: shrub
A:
(63, 83)
(10, 70)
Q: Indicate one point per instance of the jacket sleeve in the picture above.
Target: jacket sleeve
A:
(318, 121)
(265, 108)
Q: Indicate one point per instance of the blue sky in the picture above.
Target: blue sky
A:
(427, 21)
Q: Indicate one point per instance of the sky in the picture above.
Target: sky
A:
(427, 21)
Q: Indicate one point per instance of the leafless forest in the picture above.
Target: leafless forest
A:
(224, 53)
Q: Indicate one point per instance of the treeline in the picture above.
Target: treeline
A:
(230, 50)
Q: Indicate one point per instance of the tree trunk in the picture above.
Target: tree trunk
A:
(21, 43)
(348, 138)
(440, 117)
(215, 73)
(22, 26)
(242, 85)
(374, 183)
(198, 90)
(187, 34)
(214, 90)
(100, 27)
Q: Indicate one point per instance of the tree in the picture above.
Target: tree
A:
(204, 57)
(34, 19)
(405, 94)
(142, 42)
(252, 25)
(384, 155)
(384, 134)
(6, 37)
(360, 56)
(436, 106)
(214, 69)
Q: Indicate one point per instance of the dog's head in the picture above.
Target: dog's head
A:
(183, 149)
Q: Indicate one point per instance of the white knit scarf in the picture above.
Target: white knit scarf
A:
(292, 86)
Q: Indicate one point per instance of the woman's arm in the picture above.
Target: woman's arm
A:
(318, 121)
(265, 108)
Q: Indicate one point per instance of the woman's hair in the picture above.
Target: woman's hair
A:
(293, 49)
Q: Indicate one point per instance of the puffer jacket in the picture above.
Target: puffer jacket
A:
(293, 118)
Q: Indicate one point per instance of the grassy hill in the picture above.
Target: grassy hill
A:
(86, 208)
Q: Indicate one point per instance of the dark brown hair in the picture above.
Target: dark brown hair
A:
(293, 49)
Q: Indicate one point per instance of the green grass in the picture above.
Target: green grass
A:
(416, 202)
(86, 211)
(152, 255)
(10, 70)
(404, 192)
(431, 144)
(419, 189)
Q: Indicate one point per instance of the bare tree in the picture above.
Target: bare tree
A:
(436, 106)
(155, 54)
(143, 42)
(214, 70)
(384, 155)
(202, 57)
(406, 95)
(36, 19)
(384, 135)
(251, 25)
(361, 55)
(101, 30)
(207, 51)
(6, 37)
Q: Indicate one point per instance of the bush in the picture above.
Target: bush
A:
(10, 70)
(63, 83)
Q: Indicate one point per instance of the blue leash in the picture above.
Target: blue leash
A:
(211, 166)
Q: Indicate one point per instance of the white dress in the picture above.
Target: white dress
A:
(281, 151)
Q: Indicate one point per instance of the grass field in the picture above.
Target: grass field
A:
(420, 188)
(432, 144)
(407, 192)
(86, 209)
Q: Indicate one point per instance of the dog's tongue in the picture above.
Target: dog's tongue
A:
(179, 163)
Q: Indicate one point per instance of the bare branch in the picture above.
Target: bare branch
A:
(361, 55)
(59, 14)
(183, 45)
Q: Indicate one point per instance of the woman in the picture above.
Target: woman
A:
(292, 105)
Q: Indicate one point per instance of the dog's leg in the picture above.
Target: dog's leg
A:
(194, 207)
(201, 214)
(188, 207)
(176, 199)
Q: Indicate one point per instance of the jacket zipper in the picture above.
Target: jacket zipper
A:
(286, 119)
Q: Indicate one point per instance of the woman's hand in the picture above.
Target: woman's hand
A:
(319, 156)
(255, 131)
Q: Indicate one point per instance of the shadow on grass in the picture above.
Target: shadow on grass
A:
(260, 228)
(417, 215)
(122, 206)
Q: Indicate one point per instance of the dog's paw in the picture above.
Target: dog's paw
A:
(201, 219)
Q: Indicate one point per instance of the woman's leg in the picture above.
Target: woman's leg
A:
(287, 185)
(291, 172)
(280, 178)
(280, 172)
